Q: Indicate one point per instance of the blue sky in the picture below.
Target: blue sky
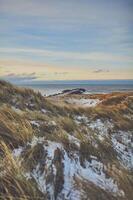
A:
(66, 40)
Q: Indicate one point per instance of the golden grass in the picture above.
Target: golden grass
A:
(68, 124)
(14, 129)
(32, 156)
(13, 184)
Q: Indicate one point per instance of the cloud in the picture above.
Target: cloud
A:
(19, 78)
(71, 35)
(101, 71)
(61, 73)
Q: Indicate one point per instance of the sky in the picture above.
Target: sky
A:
(66, 40)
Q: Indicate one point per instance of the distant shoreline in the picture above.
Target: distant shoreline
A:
(52, 89)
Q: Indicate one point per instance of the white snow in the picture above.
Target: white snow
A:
(74, 140)
(36, 140)
(81, 119)
(39, 178)
(84, 102)
(101, 128)
(17, 152)
(35, 123)
(122, 143)
(44, 111)
(70, 168)
(27, 175)
(94, 171)
(30, 104)
(52, 146)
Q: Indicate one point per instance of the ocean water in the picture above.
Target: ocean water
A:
(92, 87)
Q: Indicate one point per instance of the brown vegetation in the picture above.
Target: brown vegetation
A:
(57, 124)
(13, 185)
(14, 129)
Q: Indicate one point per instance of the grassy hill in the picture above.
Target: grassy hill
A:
(59, 148)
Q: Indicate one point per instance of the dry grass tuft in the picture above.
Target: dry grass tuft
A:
(14, 129)
(68, 124)
(13, 184)
(32, 156)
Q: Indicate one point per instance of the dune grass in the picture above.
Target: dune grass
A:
(13, 184)
(14, 129)
(56, 125)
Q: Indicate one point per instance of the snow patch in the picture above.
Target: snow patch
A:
(81, 119)
(17, 152)
(74, 140)
(84, 102)
(51, 147)
(93, 172)
(39, 178)
(44, 111)
(34, 123)
(122, 143)
(36, 140)
(30, 104)
(101, 128)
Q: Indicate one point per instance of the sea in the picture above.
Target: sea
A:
(92, 87)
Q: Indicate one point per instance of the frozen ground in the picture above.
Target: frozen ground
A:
(122, 143)
(93, 171)
(83, 102)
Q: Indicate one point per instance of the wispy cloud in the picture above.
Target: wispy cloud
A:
(61, 73)
(60, 36)
(101, 71)
(19, 78)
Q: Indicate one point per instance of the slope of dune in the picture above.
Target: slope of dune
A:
(53, 148)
